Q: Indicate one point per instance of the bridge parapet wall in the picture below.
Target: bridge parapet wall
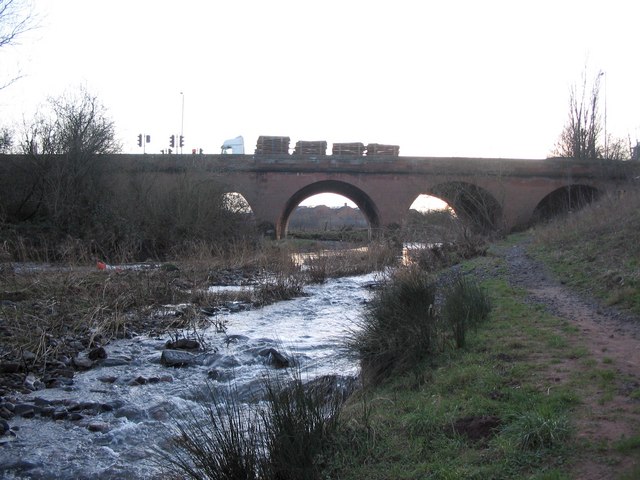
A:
(385, 186)
(552, 167)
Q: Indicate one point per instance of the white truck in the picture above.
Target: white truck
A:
(236, 145)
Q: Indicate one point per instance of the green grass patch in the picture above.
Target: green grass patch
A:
(483, 411)
(631, 444)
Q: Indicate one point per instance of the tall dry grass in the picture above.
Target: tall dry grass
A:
(324, 264)
(53, 312)
(614, 213)
(125, 217)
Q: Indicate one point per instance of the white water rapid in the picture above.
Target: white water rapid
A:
(122, 405)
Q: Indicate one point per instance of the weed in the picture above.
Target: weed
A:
(578, 352)
(557, 342)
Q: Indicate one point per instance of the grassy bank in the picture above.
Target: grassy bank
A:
(515, 401)
(490, 410)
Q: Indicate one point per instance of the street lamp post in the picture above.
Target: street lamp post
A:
(182, 122)
(606, 140)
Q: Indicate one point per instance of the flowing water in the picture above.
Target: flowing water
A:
(133, 398)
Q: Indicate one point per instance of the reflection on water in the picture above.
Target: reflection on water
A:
(410, 252)
(300, 259)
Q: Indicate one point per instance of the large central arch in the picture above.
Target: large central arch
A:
(353, 193)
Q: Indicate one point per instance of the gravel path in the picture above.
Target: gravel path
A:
(613, 340)
(604, 328)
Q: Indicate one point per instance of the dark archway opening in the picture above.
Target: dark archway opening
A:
(364, 204)
(472, 204)
(564, 200)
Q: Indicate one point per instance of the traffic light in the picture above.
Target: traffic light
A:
(140, 140)
(172, 141)
(181, 141)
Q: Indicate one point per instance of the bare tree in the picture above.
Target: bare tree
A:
(618, 148)
(581, 134)
(581, 137)
(63, 148)
(75, 125)
(16, 18)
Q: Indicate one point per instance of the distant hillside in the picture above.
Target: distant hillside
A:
(323, 218)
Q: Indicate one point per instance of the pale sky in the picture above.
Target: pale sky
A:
(438, 78)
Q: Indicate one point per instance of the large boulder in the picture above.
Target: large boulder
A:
(275, 358)
(183, 344)
(178, 358)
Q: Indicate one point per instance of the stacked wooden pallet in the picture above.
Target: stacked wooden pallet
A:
(310, 148)
(356, 148)
(272, 145)
(379, 149)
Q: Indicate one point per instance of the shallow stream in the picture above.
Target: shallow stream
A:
(125, 406)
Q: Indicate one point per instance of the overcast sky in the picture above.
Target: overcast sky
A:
(438, 78)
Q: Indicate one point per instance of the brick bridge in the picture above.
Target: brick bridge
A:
(504, 194)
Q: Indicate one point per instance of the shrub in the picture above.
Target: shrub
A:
(466, 305)
(399, 326)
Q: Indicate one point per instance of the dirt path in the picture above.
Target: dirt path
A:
(613, 340)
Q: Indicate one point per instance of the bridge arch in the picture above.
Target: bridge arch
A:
(353, 193)
(563, 200)
(471, 203)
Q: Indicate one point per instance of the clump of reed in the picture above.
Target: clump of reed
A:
(220, 441)
(466, 305)
(281, 438)
(402, 325)
(399, 325)
(278, 287)
(538, 429)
